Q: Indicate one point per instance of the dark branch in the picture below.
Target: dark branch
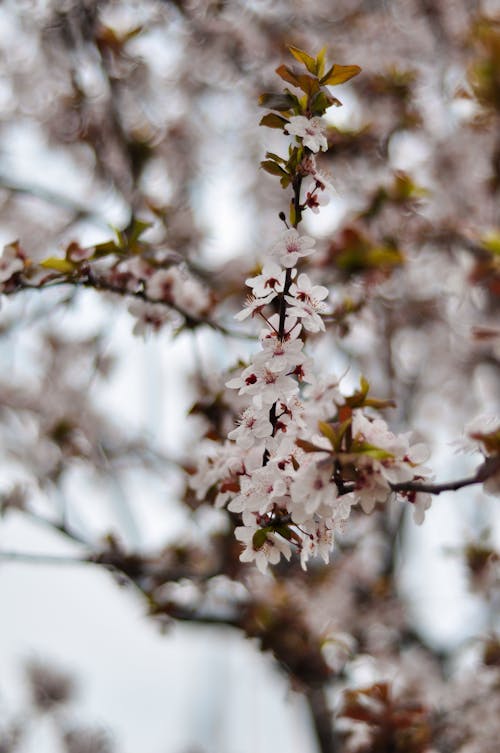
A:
(486, 470)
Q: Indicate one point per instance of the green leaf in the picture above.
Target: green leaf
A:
(280, 102)
(121, 240)
(276, 158)
(339, 74)
(59, 265)
(136, 229)
(378, 403)
(322, 100)
(109, 247)
(273, 169)
(370, 450)
(287, 533)
(271, 120)
(357, 400)
(305, 58)
(344, 426)
(329, 432)
(260, 537)
(320, 62)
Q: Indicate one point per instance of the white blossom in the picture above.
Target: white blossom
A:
(272, 278)
(279, 355)
(311, 488)
(252, 426)
(312, 131)
(306, 301)
(269, 553)
(291, 247)
(267, 385)
(254, 305)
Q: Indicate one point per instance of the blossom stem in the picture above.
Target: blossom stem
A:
(283, 303)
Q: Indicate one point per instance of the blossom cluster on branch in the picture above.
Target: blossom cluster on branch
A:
(163, 288)
(304, 453)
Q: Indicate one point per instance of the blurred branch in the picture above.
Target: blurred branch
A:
(101, 284)
(42, 559)
(79, 211)
(322, 720)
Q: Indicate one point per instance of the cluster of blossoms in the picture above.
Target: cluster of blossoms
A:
(300, 457)
(173, 286)
(163, 288)
(303, 454)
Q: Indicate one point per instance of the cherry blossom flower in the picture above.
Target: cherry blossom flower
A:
(383, 459)
(479, 434)
(291, 247)
(161, 284)
(314, 200)
(150, 316)
(421, 503)
(485, 423)
(267, 385)
(252, 426)
(179, 288)
(254, 305)
(307, 304)
(311, 488)
(280, 355)
(281, 475)
(268, 553)
(292, 329)
(138, 268)
(259, 489)
(272, 278)
(311, 130)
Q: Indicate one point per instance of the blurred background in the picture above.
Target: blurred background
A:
(127, 622)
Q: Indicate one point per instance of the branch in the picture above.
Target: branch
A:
(486, 470)
(79, 211)
(99, 283)
(43, 559)
(322, 719)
